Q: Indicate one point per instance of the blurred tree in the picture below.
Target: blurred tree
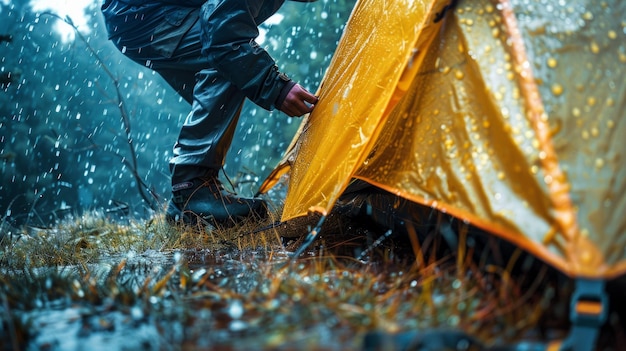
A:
(63, 146)
(32, 165)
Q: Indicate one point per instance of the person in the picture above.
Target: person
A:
(206, 51)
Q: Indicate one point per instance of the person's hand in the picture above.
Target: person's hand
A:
(298, 102)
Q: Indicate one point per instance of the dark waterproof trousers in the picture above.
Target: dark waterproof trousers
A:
(208, 55)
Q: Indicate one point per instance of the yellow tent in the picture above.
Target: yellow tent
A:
(507, 114)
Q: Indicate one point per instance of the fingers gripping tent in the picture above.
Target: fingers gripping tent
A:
(508, 114)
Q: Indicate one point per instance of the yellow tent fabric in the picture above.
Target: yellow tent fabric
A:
(508, 114)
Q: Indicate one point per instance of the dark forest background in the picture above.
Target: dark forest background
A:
(64, 146)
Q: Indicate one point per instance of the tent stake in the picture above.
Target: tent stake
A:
(309, 238)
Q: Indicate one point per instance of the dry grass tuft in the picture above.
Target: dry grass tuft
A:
(155, 286)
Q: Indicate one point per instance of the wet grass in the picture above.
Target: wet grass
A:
(98, 283)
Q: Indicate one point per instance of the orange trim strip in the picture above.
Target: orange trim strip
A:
(589, 307)
(556, 181)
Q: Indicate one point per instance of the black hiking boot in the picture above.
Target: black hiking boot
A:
(206, 201)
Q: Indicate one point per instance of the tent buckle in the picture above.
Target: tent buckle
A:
(589, 304)
(589, 309)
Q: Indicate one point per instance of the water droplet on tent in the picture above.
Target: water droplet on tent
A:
(552, 62)
(612, 34)
(458, 74)
(610, 102)
(585, 134)
(557, 89)
(599, 163)
(610, 124)
(591, 101)
(548, 179)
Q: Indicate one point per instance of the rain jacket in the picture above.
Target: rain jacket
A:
(153, 29)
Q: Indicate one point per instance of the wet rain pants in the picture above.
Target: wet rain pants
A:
(206, 51)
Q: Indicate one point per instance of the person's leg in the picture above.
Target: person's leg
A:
(199, 154)
(208, 130)
(205, 136)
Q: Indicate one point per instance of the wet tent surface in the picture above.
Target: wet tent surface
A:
(505, 115)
